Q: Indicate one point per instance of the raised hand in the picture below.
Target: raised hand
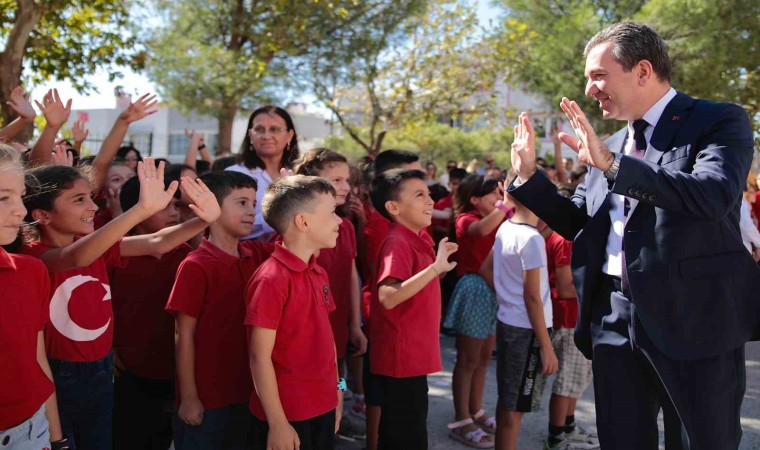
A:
(589, 147)
(52, 107)
(524, 148)
(204, 203)
(286, 172)
(140, 108)
(79, 132)
(20, 105)
(61, 156)
(445, 249)
(153, 196)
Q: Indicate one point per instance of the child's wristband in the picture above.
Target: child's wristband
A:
(62, 444)
(342, 384)
(500, 204)
(435, 270)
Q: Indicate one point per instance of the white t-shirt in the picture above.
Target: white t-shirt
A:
(261, 228)
(518, 248)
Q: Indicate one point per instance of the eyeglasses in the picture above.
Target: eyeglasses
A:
(261, 131)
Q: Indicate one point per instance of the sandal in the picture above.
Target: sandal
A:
(474, 439)
(488, 425)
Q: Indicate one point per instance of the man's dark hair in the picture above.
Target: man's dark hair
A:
(457, 174)
(387, 185)
(288, 196)
(222, 183)
(633, 42)
(393, 159)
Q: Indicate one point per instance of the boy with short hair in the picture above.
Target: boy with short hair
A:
(523, 331)
(296, 403)
(213, 380)
(406, 307)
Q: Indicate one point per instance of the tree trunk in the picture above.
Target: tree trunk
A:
(11, 59)
(226, 119)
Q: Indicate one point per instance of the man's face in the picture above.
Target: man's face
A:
(616, 90)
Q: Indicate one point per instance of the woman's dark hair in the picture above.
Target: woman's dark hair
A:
(123, 151)
(43, 186)
(472, 186)
(248, 155)
(316, 160)
(223, 163)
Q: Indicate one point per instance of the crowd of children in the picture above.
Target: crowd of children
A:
(154, 304)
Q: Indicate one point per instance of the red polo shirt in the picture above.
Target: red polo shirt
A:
(375, 231)
(210, 286)
(81, 314)
(24, 296)
(339, 263)
(405, 339)
(558, 252)
(143, 331)
(293, 297)
(472, 249)
(440, 205)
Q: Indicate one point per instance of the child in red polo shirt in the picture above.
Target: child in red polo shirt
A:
(28, 407)
(292, 351)
(406, 307)
(213, 380)
(143, 339)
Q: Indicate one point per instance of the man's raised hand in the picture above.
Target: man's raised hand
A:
(589, 147)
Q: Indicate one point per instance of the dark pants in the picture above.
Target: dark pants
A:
(142, 413)
(403, 424)
(317, 433)
(85, 401)
(227, 428)
(701, 399)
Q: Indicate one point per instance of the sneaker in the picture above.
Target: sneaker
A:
(581, 436)
(359, 409)
(567, 444)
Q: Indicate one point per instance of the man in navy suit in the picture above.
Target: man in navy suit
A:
(669, 295)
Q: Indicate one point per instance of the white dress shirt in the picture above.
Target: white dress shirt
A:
(750, 235)
(614, 263)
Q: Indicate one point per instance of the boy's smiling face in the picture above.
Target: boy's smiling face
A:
(413, 206)
(238, 212)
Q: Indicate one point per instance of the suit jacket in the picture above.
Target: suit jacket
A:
(695, 286)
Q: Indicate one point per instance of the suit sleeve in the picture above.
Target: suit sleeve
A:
(566, 216)
(712, 189)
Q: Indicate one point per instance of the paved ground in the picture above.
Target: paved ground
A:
(534, 425)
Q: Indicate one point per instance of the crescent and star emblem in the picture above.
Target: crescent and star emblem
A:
(59, 310)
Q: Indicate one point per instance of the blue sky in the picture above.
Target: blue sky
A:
(138, 84)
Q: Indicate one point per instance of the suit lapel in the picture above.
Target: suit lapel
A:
(666, 128)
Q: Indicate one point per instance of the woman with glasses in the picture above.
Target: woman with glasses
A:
(129, 155)
(270, 144)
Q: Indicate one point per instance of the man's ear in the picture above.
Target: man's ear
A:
(41, 217)
(644, 71)
(391, 207)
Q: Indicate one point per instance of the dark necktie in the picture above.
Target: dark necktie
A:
(637, 151)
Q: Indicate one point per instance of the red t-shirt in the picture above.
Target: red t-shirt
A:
(440, 205)
(24, 295)
(210, 286)
(405, 338)
(143, 332)
(293, 298)
(81, 314)
(375, 231)
(339, 263)
(472, 250)
(564, 310)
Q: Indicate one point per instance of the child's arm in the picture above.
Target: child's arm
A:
(339, 408)
(392, 291)
(56, 114)
(486, 270)
(565, 286)
(535, 308)
(355, 334)
(282, 435)
(487, 224)
(205, 207)
(51, 404)
(190, 406)
(26, 114)
(136, 111)
(153, 198)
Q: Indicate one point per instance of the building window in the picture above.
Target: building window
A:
(178, 143)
